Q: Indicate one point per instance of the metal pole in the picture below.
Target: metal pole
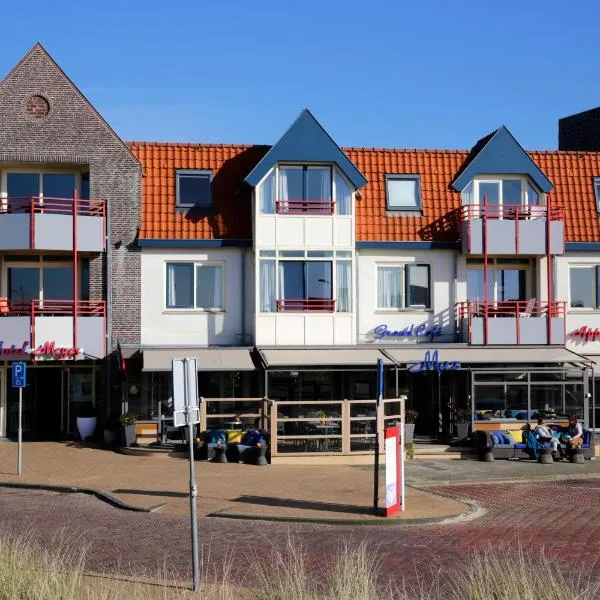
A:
(193, 488)
(20, 444)
(376, 465)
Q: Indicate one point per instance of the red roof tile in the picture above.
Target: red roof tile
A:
(571, 172)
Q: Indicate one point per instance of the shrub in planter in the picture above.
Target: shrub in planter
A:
(86, 420)
(462, 418)
(410, 418)
(127, 421)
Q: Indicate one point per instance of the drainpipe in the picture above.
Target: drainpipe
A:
(108, 310)
(243, 302)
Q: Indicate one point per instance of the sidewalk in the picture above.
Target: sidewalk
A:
(228, 490)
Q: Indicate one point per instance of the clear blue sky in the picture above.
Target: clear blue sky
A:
(425, 74)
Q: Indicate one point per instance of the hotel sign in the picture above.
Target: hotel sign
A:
(587, 334)
(46, 351)
(431, 362)
(384, 332)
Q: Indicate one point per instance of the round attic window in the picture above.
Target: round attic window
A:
(37, 107)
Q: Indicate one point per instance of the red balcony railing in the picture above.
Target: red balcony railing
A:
(305, 207)
(64, 206)
(53, 308)
(302, 305)
(511, 212)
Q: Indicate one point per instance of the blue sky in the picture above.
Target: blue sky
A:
(425, 74)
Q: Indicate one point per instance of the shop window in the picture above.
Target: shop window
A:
(403, 286)
(584, 291)
(196, 286)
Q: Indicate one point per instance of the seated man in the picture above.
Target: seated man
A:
(574, 436)
(544, 434)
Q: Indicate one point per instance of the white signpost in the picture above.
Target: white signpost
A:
(187, 413)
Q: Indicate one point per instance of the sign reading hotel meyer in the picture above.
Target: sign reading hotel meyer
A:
(45, 351)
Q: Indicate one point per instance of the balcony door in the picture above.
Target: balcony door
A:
(506, 283)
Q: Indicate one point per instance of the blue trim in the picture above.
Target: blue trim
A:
(194, 243)
(583, 246)
(501, 154)
(410, 245)
(304, 142)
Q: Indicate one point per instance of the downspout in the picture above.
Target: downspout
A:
(243, 302)
(108, 344)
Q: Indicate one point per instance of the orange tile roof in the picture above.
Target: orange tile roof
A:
(571, 172)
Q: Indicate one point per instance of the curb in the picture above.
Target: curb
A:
(69, 489)
(508, 480)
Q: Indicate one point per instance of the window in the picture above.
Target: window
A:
(403, 286)
(597, 193)
(505, 191)
(22, 186)
(195, 286)
(304, 189)
(507, 280)
(584, 290)
(403, 192)
(288, 282)
(194, 189)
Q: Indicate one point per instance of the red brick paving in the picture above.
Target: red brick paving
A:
(562, 518)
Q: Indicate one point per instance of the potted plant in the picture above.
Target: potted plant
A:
(410, 418)
(462, 419)
(86, 420)
(127, 421)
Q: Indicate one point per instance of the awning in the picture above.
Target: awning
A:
(488, 354)
(322, 357)
(208, 359)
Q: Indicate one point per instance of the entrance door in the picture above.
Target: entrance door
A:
(65, 402)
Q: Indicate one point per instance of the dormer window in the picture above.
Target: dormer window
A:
(193, 188)
(304, 189)
(501, 192)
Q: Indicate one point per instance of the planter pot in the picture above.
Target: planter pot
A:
(86, 427)
(409, 432)
(128, 435)
(462, 430)
(110, 437)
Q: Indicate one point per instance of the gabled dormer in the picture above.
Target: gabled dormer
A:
(305, 172)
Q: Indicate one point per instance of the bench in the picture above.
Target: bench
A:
(249, 447)
(505, 444)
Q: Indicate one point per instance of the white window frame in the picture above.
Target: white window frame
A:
(494, 266)
(405, 307)
(195, 264)
(334, 171)
(596, 270)
(597, 193)
(204, 173)
(525, 182)
(404, 176)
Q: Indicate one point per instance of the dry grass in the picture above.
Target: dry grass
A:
(285, 572)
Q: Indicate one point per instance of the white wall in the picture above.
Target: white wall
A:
(162, 326)
(443, 265)
(576, 317)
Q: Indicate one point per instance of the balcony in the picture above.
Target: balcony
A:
(53, 329)
(511, 322)
(305, 207)
(35, 223)
(302, 305)
(511, 229)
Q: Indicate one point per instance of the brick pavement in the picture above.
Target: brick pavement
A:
(559, 518)
(309, 492)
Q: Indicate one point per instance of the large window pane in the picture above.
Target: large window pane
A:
(343, 195)
(389, 287)
(58, 185)
(291, 280)
(506, 402)
(344, 285)
(511, 284)
(490, 191)
(583, 287)
(209, 286)
(318, 280)
(23, 283)
(58, 283)
(574, 399)
(291, 183)
(547, 401)
(318, 183)
(475, 285)
(194, 189)
(23, 184)
(511, 191)
(532, 195)
(403, 193)
(418, 285)
(267, 285)
(266, 194)
(180, 285)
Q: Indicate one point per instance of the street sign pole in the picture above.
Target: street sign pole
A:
(185, 404)
(377, 425)
(20, 450)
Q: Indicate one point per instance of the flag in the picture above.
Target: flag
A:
(122, 365)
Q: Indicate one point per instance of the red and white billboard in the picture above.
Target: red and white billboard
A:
(394, 471)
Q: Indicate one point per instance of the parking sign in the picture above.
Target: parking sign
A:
(18, 374)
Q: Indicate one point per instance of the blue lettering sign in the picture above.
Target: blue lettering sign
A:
(383, 331)
(431, 362)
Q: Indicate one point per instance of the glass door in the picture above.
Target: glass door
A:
(65, 402)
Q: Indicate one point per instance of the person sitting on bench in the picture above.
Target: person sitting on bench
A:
(574, 436)
(544, 434)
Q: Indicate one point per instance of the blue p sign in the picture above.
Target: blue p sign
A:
(18, 374)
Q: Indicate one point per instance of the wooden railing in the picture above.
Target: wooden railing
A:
(217, 413)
